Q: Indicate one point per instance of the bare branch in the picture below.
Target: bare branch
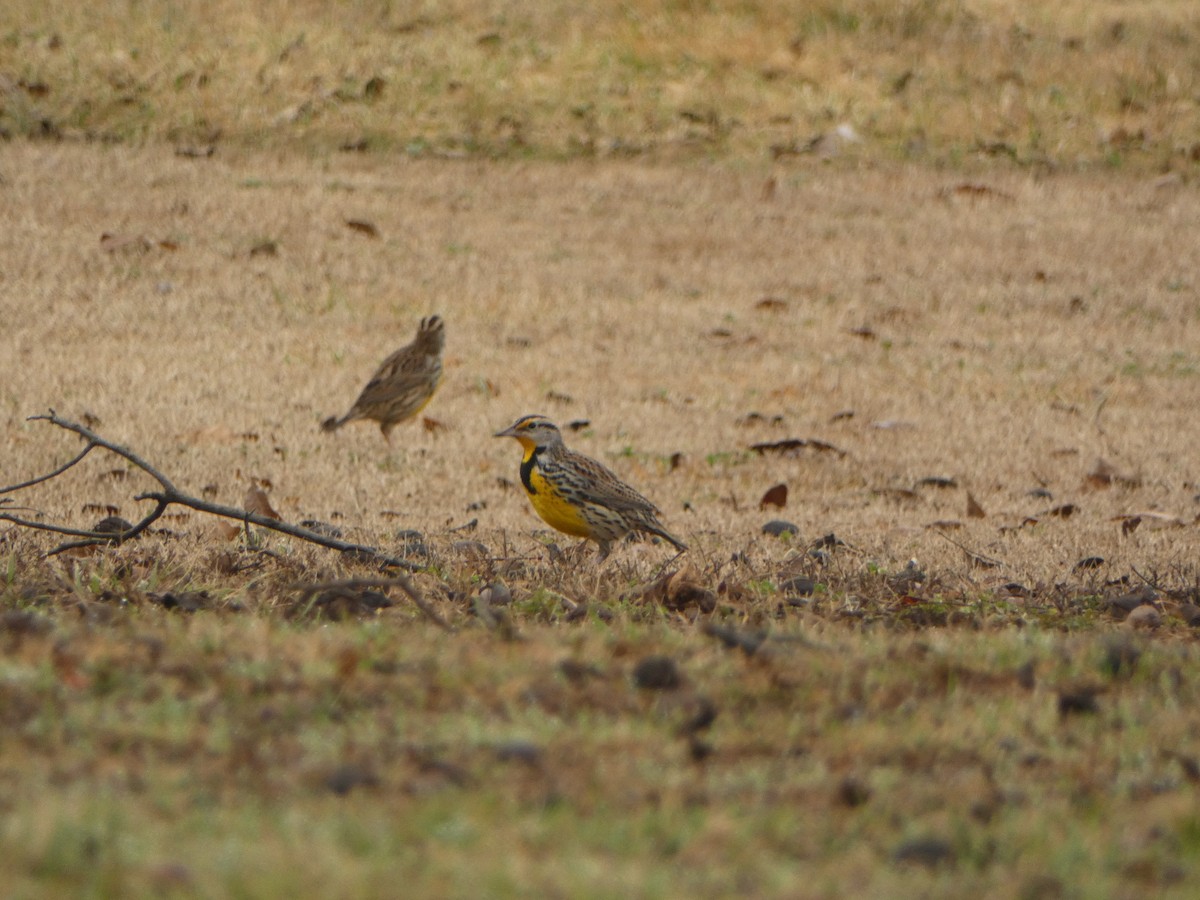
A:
(93, 438)
(24, 484)
(171, 495)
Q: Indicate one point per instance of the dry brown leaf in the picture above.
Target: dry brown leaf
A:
(226, 530)
(1104, 475)
(684, 589)
(771, 304)
(776, 496)
(945, 524)
(789, 446)
(936, 481)
(112, 243)
(974, 190)
(433, 425)
(256, 502)
(1151, 518)
(362, 227)
(974, 510)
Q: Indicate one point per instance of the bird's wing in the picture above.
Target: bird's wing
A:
(609, 490)
(396, 376)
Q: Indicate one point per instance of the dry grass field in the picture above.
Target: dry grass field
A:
(969, 346)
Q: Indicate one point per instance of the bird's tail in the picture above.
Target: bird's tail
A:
(333, 423)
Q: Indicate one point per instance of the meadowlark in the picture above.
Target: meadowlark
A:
(403, 384)
(577, 495)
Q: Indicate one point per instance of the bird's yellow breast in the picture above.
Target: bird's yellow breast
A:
(555, 510)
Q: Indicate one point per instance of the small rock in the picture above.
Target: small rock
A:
(1123, 604)
(346, 778)
(412, 543)
(930, 852)
(1080, 701)
(496, 594)
(24, 622)
(657, 673)
(801, 586)
(853, 792)
(525, 752)
(113, 525)
(316, 526)
(1189, 613)
(184, 601)
(1144, 616)
(780, 528)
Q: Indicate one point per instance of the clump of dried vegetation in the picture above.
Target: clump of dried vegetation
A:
(927, 430)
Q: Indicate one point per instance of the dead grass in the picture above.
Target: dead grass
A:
(980, 729)
(1059, 85)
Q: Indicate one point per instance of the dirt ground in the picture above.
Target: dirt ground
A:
(1009, 332)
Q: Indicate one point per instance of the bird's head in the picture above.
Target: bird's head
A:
(534, 432)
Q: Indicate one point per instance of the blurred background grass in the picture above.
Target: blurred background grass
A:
(1064, 84)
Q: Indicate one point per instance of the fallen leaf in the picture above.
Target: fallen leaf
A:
(776, 496)
(1065, 511)
(112, 243)
(975, 191)
(265, 248)
(373, 89)
(771, 304)
(226, 530)
(256, 502)
(684, 589)
(1151, 518)
(789, 446)
(947, 524)
(936, 481)
(974, 510)
(433, 425)
(362, 227)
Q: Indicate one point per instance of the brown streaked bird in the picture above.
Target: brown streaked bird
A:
(577, 495)
(404, 383)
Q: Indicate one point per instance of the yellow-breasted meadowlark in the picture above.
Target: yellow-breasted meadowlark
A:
(403, 384)
(577, 495)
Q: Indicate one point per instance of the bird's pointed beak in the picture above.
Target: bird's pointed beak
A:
(507, 432)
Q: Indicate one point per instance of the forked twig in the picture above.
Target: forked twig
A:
(167, 496)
